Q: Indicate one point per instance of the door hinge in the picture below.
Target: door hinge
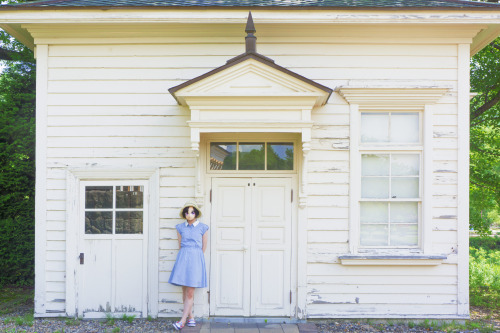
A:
(291, 196)
(210, 195)
(290, 297)
(208, 292)
(82, 258)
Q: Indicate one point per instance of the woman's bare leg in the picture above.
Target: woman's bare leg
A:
(191, 316)
(188, 299)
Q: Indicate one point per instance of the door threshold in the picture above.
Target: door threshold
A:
(256, 320)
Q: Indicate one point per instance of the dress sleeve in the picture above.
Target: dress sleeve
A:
(205, 228)
(177, 227)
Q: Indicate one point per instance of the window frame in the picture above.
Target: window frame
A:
(114, 209)
(423, 147)
(253, 141)
(389, 199)
(114, 183)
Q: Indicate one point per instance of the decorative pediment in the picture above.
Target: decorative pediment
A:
(250, 77)
(250, 93)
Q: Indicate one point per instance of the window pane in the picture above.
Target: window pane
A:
(128, 223)
(98, 197)
(404, 187)
(405, 164)
(280, 156)
(222, 156)
(404, 212)
(251, 156)
(374, 235)
(405, 128)
(129, 196)
(375, 187)
(374, 165)
(374, 212)
(404, 235)
(98, 222)
(374, 127)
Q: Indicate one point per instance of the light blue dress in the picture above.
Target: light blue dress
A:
(189, 268)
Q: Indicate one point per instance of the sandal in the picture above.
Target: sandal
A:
(178, 325)
(191, 322)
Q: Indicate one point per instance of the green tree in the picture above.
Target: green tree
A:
(485, 138)
(17, 162)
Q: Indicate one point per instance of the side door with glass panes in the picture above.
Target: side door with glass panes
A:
(113, 249)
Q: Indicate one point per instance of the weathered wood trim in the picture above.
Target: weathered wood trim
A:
(354, 178)
(42, 52)
(238, 16)
(463, 179)
(72, 209)
(390, 260)
(153, 243)
(427, 188)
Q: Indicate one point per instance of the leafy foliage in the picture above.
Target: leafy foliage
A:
(484, 273)
(485, 138)
(17, 172)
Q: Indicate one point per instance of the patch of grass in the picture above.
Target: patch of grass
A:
(26, 320)
(110, 320)
(130, 319)
(13, 298)
(72, 322)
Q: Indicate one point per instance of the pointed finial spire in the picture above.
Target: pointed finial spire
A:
(250, 39)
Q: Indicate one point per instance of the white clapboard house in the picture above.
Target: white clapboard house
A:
(328, 151)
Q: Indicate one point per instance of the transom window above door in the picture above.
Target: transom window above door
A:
(246, 156)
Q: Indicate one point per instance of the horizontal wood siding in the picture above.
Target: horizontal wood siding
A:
(108, 106)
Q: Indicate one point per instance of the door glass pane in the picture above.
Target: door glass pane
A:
(280, 156)
(222, 156)
(98, 222)
(405, 128)
(98, 197)
(404, 212)
(404, 235)
(251, 156)
(374, 235)
(375, 187)
(405, 164)
(129, 196)
(404, 187)
(374, 212)
(374, 165)
(128, 223)
(374, 127)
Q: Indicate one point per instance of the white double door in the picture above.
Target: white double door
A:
(251, 223)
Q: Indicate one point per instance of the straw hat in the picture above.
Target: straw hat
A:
(190, 204)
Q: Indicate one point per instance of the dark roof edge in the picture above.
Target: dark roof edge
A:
(489, 6)
(245, 56)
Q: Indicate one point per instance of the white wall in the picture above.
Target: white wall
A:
(108, 106)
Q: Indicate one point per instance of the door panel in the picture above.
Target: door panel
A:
(251, 222)
(230, 280)
(113, 273)
(96, 276)
(271, 242)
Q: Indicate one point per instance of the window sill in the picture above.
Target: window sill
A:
(392, 260)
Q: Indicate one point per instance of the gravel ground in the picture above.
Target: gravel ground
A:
(11, 323)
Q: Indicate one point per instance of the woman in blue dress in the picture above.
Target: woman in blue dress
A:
(189, 270)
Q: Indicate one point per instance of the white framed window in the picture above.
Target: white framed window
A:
(114, 209)
(390, 195)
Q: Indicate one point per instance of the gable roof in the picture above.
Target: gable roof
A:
(289, 4)
(250, 53)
